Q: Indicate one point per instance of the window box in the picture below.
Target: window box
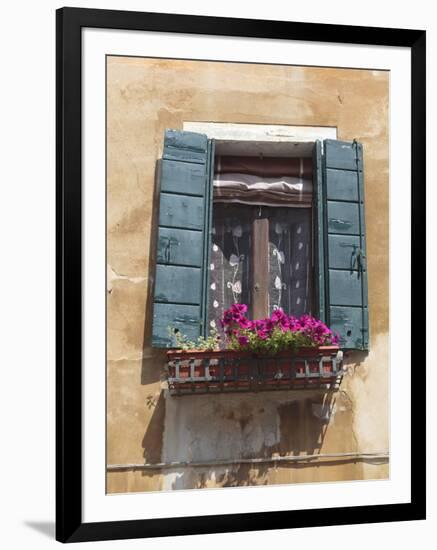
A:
(195, 372)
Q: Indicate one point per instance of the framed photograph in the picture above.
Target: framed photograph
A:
(240, 274)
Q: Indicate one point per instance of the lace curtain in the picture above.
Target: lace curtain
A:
(281, 191)
(289, 261)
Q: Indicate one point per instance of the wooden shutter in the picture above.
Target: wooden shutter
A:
(341, 241)
(183, 234)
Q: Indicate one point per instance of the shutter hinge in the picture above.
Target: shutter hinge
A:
(357, 156)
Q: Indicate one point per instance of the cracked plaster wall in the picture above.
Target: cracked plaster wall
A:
(145, 96)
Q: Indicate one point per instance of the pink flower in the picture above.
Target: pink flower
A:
(243, 340)
(278, 315)
(238, 327)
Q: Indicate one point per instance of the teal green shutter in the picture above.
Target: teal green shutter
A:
(181, 275)
(341, 241)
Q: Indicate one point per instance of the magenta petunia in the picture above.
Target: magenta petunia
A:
(243, 340)
(267, 332)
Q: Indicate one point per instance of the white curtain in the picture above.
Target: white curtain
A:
(286, 191)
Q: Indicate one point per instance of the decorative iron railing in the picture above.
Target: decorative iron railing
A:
(232, 371)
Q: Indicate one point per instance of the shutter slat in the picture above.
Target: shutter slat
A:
(347, 321)
(343, 217)
(181, 285)
(343, 251)
(185, 318)
(345, 288)
(186, 175)
(340, 154)
(341, 185)
(185, 146)
(181, 211)
(182, 236)
(180, 247)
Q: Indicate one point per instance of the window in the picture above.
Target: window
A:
(261, 235)
(266, 230)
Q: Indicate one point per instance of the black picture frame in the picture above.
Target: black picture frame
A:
(69, 23)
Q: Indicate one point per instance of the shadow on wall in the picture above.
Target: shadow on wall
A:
(247, 426)
(153, 361)
(153, 437)
(302, 428)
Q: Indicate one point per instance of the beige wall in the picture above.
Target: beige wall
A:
(145, 96)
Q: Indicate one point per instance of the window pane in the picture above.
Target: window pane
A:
(230, 258)
(290, 259)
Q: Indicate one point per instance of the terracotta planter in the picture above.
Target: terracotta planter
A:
(218, 371)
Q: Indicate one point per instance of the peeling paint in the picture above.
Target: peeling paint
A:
(112, 275)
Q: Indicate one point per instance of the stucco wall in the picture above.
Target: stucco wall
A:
(145, 96)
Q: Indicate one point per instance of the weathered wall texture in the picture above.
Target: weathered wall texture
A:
(145, 96)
